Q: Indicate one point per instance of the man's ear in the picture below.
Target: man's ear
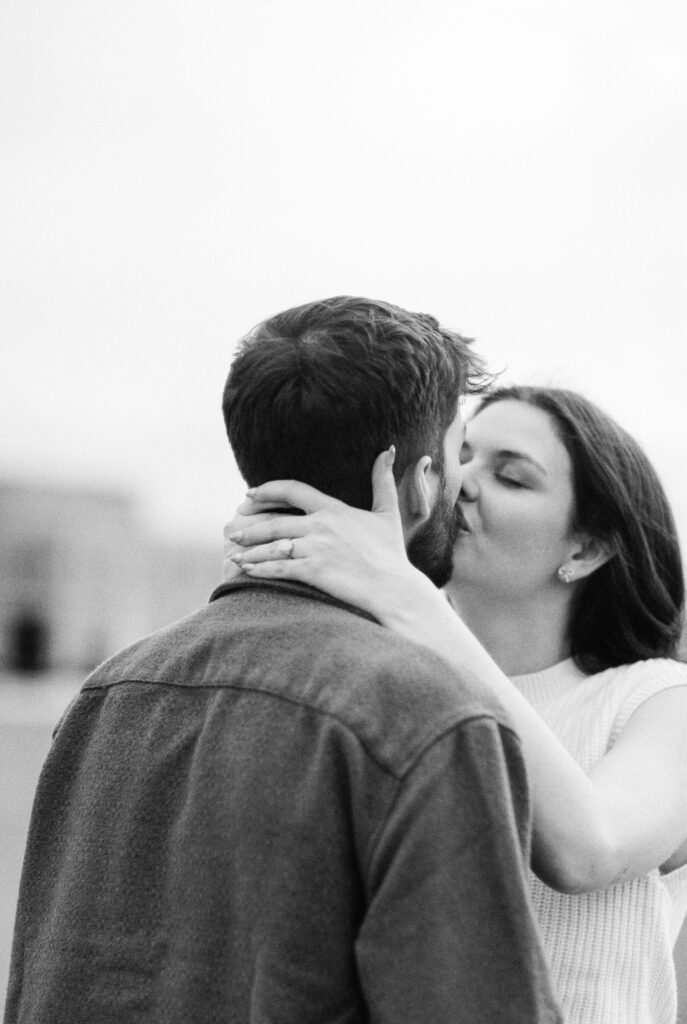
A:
(416, 492)
(587, 555)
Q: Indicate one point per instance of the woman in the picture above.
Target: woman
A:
(568, 572)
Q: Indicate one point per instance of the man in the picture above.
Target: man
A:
(275, 811)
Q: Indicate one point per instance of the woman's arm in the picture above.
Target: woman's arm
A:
(589, 831)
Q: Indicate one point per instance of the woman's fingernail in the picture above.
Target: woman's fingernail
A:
(391, 455)
(247, 566)
(235, 536)
(238, 558)
(250, 492)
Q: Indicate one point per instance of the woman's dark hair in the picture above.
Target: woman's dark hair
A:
(317, 392)
(632, 607)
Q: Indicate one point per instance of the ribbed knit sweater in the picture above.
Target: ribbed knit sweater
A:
(610, 951)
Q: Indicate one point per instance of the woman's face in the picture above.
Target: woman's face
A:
(517, 499)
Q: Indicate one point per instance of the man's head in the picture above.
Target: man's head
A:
(317, 392)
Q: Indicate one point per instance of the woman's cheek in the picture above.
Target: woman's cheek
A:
(528, 539)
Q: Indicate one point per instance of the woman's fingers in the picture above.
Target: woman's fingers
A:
(280, 527)
(278, 550)
(284, 569)
(240, 521)
(236, 558)
(291, 492)
(249, 507)
(230, 570)
(384, 493)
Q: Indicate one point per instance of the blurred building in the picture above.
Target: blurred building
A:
(81, 577)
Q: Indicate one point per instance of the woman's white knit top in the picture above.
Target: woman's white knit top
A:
(610, 951)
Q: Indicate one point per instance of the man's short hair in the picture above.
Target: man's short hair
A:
(317, 392)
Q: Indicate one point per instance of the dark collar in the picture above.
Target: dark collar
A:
(289, 587)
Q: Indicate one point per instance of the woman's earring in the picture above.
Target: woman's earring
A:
(565, 574)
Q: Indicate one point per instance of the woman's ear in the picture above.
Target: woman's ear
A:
(588, 554)
(416, 492)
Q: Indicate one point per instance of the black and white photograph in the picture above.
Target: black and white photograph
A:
(343, 512)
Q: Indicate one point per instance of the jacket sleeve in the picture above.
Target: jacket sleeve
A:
(449, 936)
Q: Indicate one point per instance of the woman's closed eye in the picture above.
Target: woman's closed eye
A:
(510, 481)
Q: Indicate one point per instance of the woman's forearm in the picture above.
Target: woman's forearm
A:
(572, 845)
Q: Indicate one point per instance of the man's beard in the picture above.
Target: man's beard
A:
(431, 548)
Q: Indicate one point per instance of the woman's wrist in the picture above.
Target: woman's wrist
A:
(410, 601)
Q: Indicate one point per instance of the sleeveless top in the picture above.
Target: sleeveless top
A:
(610, 951)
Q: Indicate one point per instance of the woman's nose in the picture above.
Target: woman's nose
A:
(468, 487)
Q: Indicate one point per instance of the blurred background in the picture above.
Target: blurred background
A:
(172, 172)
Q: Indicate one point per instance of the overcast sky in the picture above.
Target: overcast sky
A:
(172, 172)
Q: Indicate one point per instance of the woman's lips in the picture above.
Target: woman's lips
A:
(461, 520)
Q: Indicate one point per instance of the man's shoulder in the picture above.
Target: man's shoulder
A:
(305, 650)
(400, 696)
(395, 696)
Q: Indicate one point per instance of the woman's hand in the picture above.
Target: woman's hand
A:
(356, 556)
(230, 568)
